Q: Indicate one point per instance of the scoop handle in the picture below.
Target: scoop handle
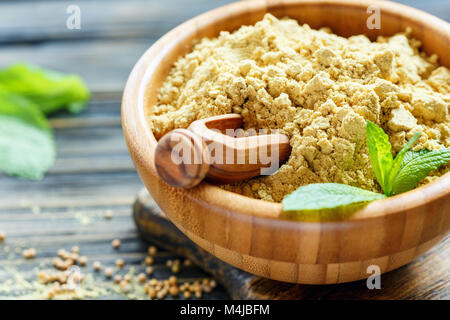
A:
(182, 159)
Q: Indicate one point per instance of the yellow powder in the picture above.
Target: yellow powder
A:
(316, 87)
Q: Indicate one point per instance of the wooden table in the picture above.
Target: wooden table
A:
(93, 173)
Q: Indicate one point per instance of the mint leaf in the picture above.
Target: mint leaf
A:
(20, 107)
(320, 196)
(50, 90)
(27, 148)
(380, 153)
(398, 163)
(411, 155)
(416, 166)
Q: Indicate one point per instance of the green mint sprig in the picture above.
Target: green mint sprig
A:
(408, 168)
(395, 175)
(416, 166)
(27, 94)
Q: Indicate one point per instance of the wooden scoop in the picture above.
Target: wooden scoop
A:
(210, 148)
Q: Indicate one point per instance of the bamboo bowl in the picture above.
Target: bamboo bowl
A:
(249, 233)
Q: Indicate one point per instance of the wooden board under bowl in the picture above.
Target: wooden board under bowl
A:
(424, 278)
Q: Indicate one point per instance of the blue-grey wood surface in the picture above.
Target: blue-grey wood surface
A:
(93, 172)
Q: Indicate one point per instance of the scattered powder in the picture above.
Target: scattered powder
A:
(317, 88)
(83, 217)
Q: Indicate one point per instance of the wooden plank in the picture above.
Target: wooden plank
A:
(70, 190)
(35, 21)
(109, 141)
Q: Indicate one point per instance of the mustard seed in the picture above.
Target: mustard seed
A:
(149, 270)
(2, 236)
(120, 263)
(142, 277)
(207, 289)
(76, 277)
(42, 275)
(82, 261)
(184, 286)
(68, 262)
(152, 250)
(29, 253)
(75, 249)
(64, 266)
(127, 278)
(172, 280)
(162, 294)
(187, 294)
(174, 291)
(63, 254)
(123, 283)
(56, 262)
(169, 263)
(196, 286)
(117, 279)
(149, 261)
(152, 293)
(97, 266)
(116, 243)
(176, 268)
(198, 294)
(109, 272)
(126, 288)
(73, 257)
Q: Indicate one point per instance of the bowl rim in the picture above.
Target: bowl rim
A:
(136, 126)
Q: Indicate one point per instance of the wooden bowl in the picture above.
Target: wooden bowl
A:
(249, 233)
